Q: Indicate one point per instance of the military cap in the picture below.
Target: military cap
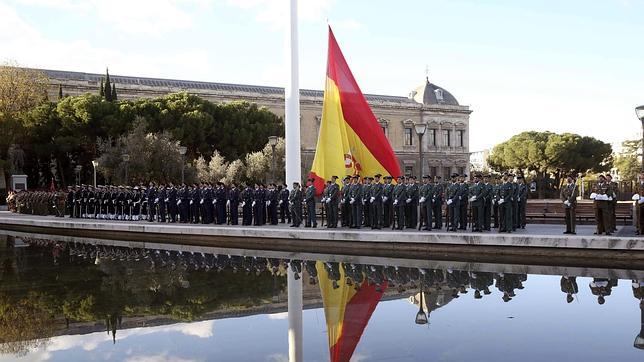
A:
(454, 175)
(602, 176)
(438, 177)
(412, 177)
(487, 175)
(519, 176)
(465, 175)
(370, 178)
(347, 177)
(377, 175)
(426, 176)
(400, 177)
(310, 179)
(136, 187)
(388, 177)
(334, 177)
(478, 175)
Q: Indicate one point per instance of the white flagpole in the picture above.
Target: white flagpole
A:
(293, 174)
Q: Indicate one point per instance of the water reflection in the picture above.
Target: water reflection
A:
(52, 288)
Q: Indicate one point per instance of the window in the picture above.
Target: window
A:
(460, 137)
(447, 138)
(447, 173)
(432, 171)
(432, 137)
(439, 95)
(408, 136)
(460, 170)
(409, 170)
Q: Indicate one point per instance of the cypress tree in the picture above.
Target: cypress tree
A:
(114, 96)
(60, 91)
(108, 86)
(101, 92)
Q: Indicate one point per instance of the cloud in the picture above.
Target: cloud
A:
(277, 357)
(163, 357)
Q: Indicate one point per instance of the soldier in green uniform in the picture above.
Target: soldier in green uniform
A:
(345, 201)
(522, 201)
(326, 200)
(295, 205)
(568, 196)
(309, 199)
(439, 198)
(477, 201)
(412, 202)
(355, 201)
(488, 195)
(426, 192)
(387, 202)
(600, 195)
(453, 203)
(496, 189)
(463, 196)
(366, 204)
(506, 192)
(375, 200)
(333, 200)
(515, 205)
(399, 202)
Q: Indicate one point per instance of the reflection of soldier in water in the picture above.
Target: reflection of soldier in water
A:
(638, 289)
(481, 282)
(569, 286)
(602, 288)
(507, 283)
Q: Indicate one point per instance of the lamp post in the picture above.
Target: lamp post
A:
(95, 164)
(421, 316)
(126, 159)
(272, 140)
(78, 169)
(420, 131)
(182, 152)
(639, 111)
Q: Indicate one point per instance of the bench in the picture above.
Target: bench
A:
(544, 210)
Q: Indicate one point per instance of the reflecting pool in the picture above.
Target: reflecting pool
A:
(67, 299)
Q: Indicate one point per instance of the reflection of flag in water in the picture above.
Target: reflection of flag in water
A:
(347, 311)
(351, 140)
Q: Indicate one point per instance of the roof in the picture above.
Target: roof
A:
(430, 94)
(206, 86)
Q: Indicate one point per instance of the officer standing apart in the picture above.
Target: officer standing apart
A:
(568, 196)
(295, 205)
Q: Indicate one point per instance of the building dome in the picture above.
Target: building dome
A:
(430, 94)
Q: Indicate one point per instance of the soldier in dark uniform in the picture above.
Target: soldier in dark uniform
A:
(247, 197)
(453, 203)
(206, 208)
(272, 198)
(399, 203)
(309, 199)
(221, 195)
(233, 204)
(195, 199)
(69, 204)
(568, 196)
(345, 205)
(355, 200)
(129, 196)
(439, 199)
(477, 201)
(295, 205)
(488, 195)
(259, 205)
(136, 204)
(463, 197)
(522, 201)
(426, 191)
(326, 199)
(612, 202)
(171, 192)
(481, 282)
(387, 202)
(375, 200)
(161, 201)
(184, 204)
(366, 205)
(150, 198)
(506, 192)
(496, 211)
(515, 204)
(334, 199)
(412, 202)
(285, 215)
(569, 286)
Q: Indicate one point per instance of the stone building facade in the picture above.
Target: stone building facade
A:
(445, 144)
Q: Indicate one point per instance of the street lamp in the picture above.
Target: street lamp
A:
(95, 164)
(272, 140)
(182, 152)
(639, 111)
(78, 169)
(420, 131)
(126, 159)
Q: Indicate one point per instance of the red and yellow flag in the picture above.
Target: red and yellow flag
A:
(351, 140)
(347, 311)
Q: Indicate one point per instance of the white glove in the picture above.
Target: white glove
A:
(395, 202)
(214, 201)
(518, 199)
(372, 199)
(567, 203)
(385, 198)
(228, 203)
(501, 201)
(641, 201)
(281, 202)
(156, 200)
(268, 203)
(328, 201)
(494, 201)
(342, 201)
(243, 203)
(352, 201)
(178, 202)
(166, 200)
(593, 196)
(408, 200)
(323, 200)
(253, 204)
(191, 202)
(201, 202)
(636, 197)
(473, 198)
(449, 202)
(610, 198)
(422, 200)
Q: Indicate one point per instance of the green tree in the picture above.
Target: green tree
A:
(60, 91)
(108, 86)
(114, 95)
(626, 162)
(101, 91)
(547, 155)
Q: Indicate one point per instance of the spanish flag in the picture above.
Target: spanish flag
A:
(351, 141)
(347, 310)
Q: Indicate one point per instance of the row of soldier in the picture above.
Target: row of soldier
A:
(359, 202)
(403, 278)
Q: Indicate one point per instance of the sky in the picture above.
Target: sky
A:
(562, 66)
